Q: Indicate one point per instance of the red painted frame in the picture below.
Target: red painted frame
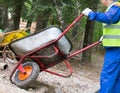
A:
(42, 66)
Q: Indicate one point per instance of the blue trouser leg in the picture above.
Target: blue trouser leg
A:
(117, 85)
(110, 71)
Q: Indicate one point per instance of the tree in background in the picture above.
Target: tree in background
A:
(54, 12)
(3, 14)
(14, 7)
(42, 10)
(1, 9)
(17, 13)
(89, 28)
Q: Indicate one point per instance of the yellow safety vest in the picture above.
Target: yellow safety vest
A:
(111, 34)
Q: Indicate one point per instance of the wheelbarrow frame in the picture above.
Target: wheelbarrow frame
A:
(52, 43)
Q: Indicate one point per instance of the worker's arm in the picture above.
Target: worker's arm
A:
(109, 17)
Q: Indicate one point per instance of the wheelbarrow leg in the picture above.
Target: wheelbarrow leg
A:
(21, 69)
(61, 75)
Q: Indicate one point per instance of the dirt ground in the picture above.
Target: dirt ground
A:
(85, 78)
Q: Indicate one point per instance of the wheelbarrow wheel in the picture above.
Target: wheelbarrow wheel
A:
(24, 80)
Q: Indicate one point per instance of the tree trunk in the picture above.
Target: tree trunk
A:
(5, 18)
(29, 23)
(17, 13)
(86, 56)
(42, 20)
(1, 12)
(75, 30)
(60, 16)
(39, 22)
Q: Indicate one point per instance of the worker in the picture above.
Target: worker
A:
(110, 74)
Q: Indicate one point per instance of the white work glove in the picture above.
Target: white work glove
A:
(86, 11)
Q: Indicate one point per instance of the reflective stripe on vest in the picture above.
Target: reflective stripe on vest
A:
(111, 35)
(112, 26)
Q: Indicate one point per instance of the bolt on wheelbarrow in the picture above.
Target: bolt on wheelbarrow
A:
(38, 52)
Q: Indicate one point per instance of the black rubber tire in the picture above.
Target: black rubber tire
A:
(27, 82)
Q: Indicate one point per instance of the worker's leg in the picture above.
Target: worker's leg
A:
(117, 85)
(110, 70)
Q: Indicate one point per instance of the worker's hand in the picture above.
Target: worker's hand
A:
(86, 11)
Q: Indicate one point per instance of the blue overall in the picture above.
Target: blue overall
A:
(110, 74)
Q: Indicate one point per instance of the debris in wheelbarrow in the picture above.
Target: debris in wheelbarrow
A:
(6, 38)
(32, 53)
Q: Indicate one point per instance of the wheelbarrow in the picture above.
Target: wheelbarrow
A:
(38, 52)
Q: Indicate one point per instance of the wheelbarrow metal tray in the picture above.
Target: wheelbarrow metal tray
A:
(29, 43)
